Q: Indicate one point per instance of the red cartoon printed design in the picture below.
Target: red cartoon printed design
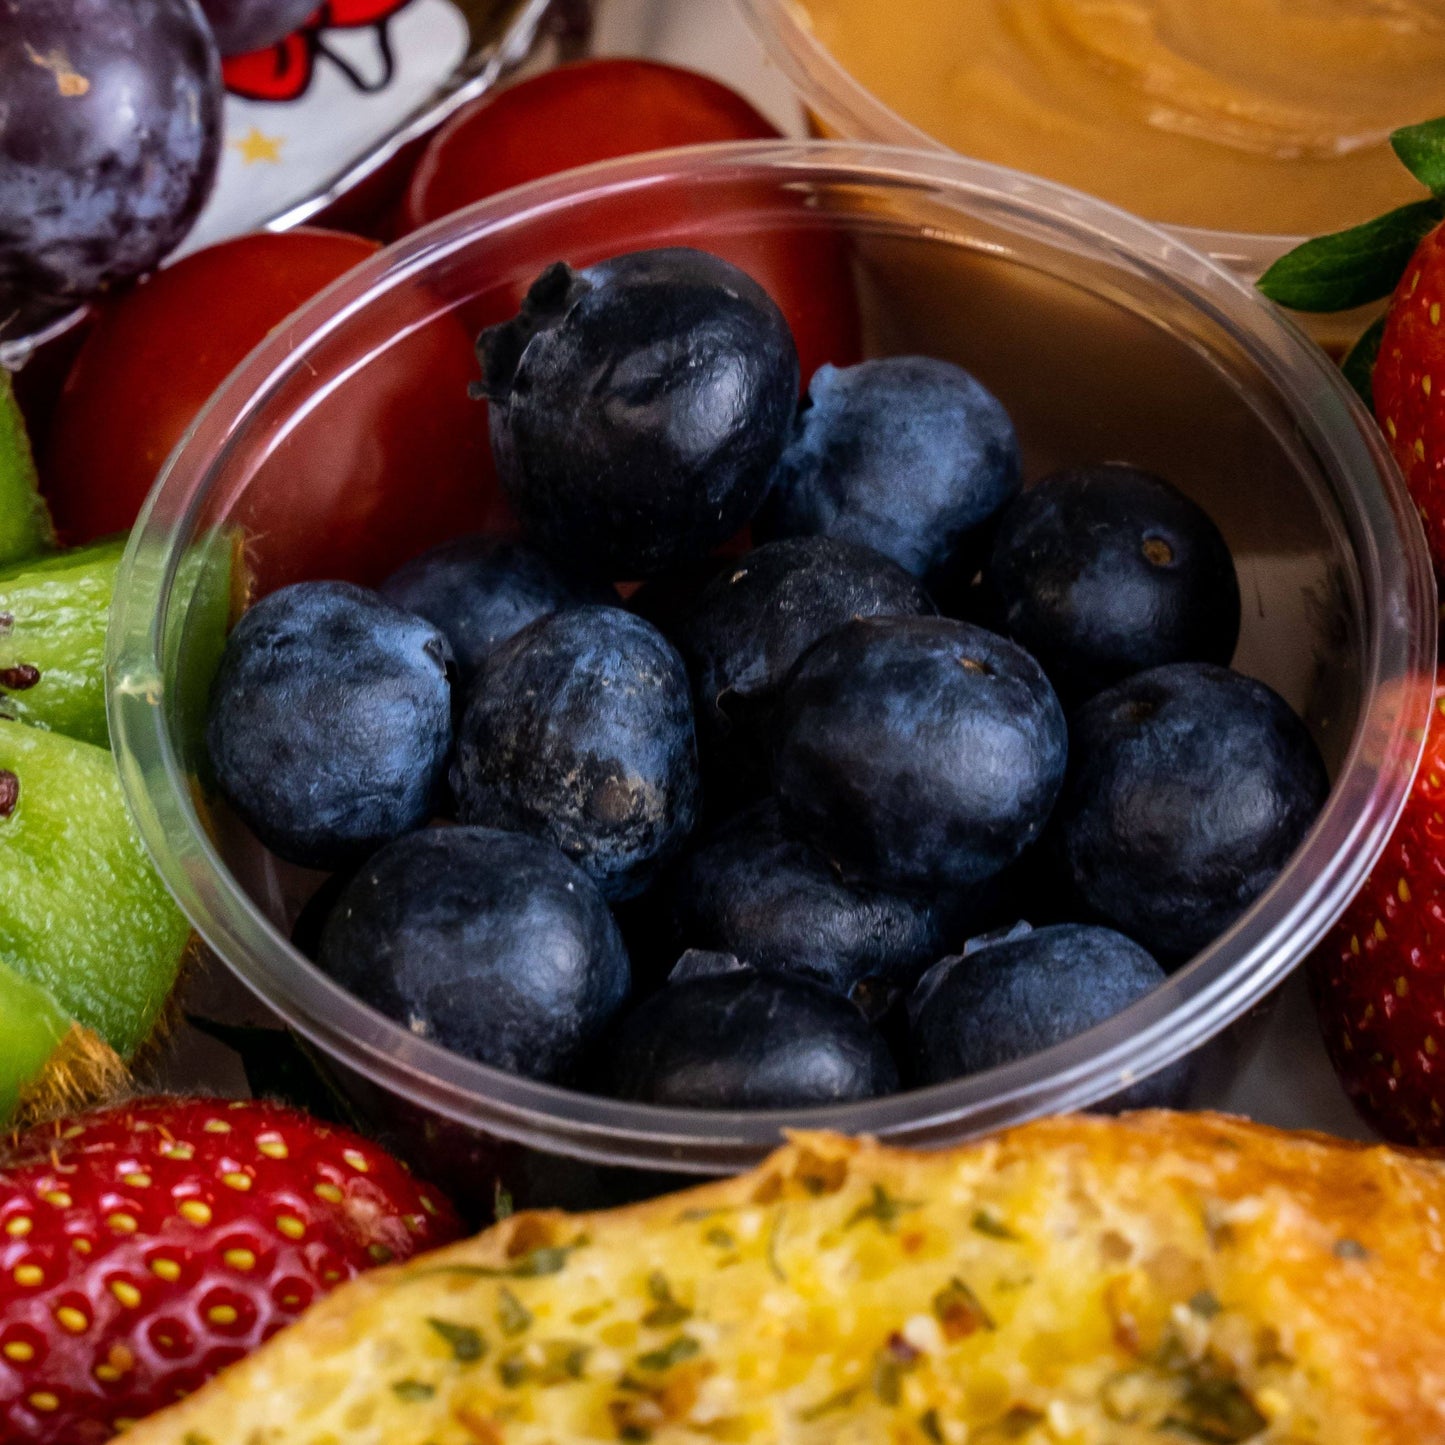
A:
(284, 72)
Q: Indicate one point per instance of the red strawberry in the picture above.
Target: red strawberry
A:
(1379, 976)
(1398, 365)
(1409, 384)
(144, 1248)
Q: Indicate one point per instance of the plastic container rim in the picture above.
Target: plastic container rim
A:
(1227, 979)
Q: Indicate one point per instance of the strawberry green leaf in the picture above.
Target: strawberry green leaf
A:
(1359, 365)
(1351, 268)
(1422, 149)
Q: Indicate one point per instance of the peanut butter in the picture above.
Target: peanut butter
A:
(1267, 116)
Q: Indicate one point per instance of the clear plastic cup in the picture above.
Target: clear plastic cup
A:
(1106, 337)
(839, 106)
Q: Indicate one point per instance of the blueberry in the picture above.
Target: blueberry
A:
(639, 407)
(667, 599)
(756, 619)
(919, 752)
(244, 26)
(579, 729)
(490, 944)
(906, 455)
(482, 590)
(777, 904)
(1011, 996)
(1106, 571)
(1189, 787)
(740, 1039)
(311, 920)
(704, 963)
(330, 722)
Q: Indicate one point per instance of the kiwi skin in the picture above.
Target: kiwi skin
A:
(49, 1065)
(82, 1072)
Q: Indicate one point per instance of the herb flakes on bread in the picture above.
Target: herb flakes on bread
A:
(1154, 1278)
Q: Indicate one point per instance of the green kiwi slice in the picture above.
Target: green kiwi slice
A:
(82, 913)
(54, 612)
(53, 615)
(25, 526)
(32, 1026)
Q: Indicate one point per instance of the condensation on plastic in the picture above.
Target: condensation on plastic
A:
(1099, 330)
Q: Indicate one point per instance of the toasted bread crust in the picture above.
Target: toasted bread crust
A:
(1155, 1278)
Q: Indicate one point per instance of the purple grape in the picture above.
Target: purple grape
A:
(242, 26)
(110, 133)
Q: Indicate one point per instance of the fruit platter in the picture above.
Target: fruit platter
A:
(822, 722)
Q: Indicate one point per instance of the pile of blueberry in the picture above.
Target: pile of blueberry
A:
(762, 834)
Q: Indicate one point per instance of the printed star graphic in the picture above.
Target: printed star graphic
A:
(256, 148)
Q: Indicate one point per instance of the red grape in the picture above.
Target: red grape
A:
(242, 26)
(110, 131)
